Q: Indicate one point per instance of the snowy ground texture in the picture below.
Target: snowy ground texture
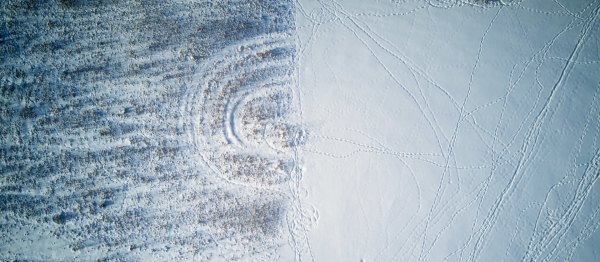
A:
(452, 130)
(299, 130)
(148, 130)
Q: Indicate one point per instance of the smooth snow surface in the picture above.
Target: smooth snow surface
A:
(451, 130)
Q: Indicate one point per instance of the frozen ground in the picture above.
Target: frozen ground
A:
(265, 130)
(148, 131)
(451, 130)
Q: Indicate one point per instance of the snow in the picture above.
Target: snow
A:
(147, 131)
(451, 131)
(306, 130)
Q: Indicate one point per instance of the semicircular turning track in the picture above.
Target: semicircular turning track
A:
(238, 96)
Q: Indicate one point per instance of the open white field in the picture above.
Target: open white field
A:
(451, 130)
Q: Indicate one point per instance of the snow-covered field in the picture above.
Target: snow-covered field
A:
(148, 131)
(452, 130)
(265, 130)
